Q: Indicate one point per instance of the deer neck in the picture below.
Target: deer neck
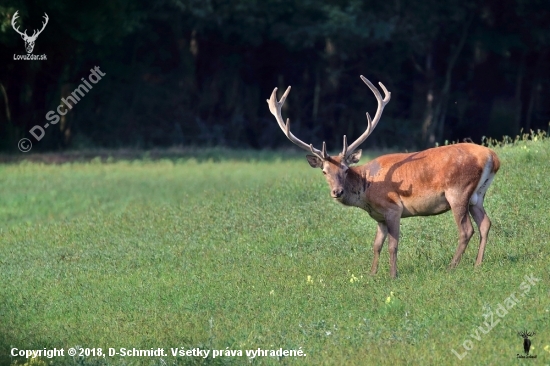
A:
(355, 187)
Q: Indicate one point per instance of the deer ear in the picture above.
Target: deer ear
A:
(314, 161)
(354, 158)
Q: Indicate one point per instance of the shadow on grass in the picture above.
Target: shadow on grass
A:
(216, 154)
(5, 348)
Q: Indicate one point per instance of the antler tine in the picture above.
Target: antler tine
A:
(15, 16)
(387, 94)
(345, 149)
(43, 24)
(371, 123)
(275, 109)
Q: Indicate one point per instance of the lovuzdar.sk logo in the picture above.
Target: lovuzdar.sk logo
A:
(29, 40)
(526, 344)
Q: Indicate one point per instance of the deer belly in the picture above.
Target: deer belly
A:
(425, 206)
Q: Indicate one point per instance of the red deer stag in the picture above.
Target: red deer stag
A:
(394, 186)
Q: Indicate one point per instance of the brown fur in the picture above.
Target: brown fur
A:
(424, 183)
(393, 186)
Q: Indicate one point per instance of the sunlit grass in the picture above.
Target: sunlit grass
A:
(241, 254)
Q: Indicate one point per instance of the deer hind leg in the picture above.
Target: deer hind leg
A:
(381, 233)
(484, 224)
(465, 230)
(480, 216)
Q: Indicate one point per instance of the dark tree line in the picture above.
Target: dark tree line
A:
(198, 72)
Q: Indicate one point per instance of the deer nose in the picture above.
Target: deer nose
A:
(337, 192)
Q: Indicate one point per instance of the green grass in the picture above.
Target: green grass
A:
(240, 254)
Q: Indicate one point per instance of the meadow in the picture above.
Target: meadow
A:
(248, 251)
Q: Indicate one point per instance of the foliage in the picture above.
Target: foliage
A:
(189, 72)
(520, 139)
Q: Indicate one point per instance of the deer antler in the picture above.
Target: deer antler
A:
(35, 33)
(275, 109)
(526, 334)
(43, 26)
(371, 123)
(15, 16)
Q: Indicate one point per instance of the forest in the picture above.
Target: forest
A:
(198, 72)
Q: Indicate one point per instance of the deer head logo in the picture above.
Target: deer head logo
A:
(526, 341)
(29, 40)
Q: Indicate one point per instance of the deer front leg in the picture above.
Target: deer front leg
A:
(381, 233)
(393, 223)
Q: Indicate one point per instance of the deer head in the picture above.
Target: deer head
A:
(335, 168)
(29, 40)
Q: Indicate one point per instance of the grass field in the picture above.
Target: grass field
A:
(246, 253)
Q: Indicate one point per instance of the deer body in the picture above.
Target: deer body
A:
(420, 183)
(395, 186)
